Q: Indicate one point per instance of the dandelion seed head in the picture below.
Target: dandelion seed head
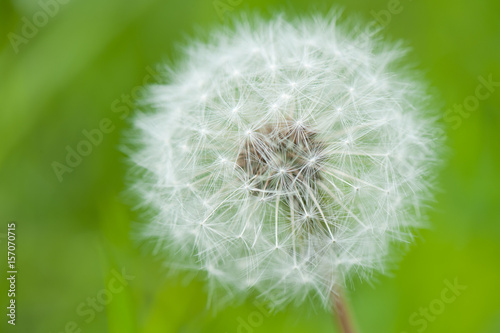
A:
(291, 168)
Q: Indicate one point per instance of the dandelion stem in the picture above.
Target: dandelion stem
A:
(341, 312)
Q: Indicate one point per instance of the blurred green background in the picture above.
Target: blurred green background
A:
(79, 65)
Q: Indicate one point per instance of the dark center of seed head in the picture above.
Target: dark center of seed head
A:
(285, 155)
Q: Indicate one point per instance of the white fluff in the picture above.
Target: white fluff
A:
(285, 157)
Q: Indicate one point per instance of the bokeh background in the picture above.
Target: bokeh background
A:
(78, 66)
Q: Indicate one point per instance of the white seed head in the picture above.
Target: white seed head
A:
(309, 152)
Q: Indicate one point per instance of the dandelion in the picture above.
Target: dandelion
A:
(285, 157)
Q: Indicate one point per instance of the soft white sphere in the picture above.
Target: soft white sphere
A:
(284, 157)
